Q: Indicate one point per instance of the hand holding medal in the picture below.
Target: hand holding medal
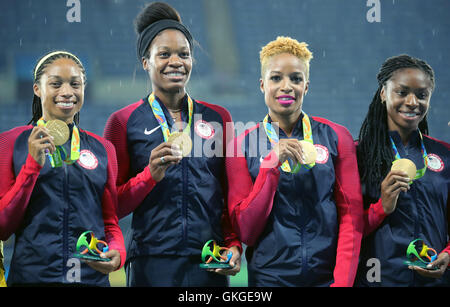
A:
(163, 156)
(395, 182)
(169, 153)
(398, 180)
(401, 176)
(59, 133)
(40, 142)
(55, 133)
(405, 165)
(302, 152)
(309, 152)
(182, 141)
(177, 145)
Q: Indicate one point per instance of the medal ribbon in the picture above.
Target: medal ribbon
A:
(159, 114)
(419, 172)
(60, 155)
(273, 138)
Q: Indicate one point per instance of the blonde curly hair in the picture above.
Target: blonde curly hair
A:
(284, 44)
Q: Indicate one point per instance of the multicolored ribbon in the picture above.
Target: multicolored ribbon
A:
(60, 154)
(159, 114)
(419, 172)
(273, 138)
(2, 270)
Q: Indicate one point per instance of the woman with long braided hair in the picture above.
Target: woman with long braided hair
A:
(400, 208)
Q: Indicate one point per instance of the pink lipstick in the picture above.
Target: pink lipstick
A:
(285, 100)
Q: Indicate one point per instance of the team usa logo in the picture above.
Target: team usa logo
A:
(435, 163)
(204, 129)
(87, 160)
(322, 154)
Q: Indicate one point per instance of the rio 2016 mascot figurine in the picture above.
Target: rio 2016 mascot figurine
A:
(215, 257)
(419, 254)
(90, 251)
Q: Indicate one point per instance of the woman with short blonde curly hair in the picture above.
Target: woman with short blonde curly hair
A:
(297, 202)
(285, 44)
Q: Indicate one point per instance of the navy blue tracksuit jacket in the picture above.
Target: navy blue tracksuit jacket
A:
(422, 213)
(49, 208)
(177, 216)
(302, 229)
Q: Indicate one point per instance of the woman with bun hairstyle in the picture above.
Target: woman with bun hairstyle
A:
(402, 207)
(174, 187)
(57, 182)
(294, 195)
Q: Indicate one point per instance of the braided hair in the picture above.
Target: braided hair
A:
(39, 71)
(374, 150)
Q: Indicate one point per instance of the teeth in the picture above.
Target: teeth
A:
(286, 98)
(410, 114)
(174, 74)
(65, 104)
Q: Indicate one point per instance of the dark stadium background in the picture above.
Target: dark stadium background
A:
(348, 51)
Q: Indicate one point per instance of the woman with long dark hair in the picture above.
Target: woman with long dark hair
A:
(401, 208)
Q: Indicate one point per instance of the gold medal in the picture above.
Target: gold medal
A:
(59, 131)
(309, 152)
(405, 165)
(183, 140)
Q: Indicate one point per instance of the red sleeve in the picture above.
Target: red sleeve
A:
(15, 193)
(131, 191)
(349, 204)
(250, 204)
(373, 217)
(113, 233)
(447, 248)
(229, 235)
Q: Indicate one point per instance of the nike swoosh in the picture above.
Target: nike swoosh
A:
(146, 132)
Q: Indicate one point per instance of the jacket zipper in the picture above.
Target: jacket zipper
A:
(304, 260)
(184, 200)
(65, 221)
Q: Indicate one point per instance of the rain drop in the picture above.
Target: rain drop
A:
(421, 45)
